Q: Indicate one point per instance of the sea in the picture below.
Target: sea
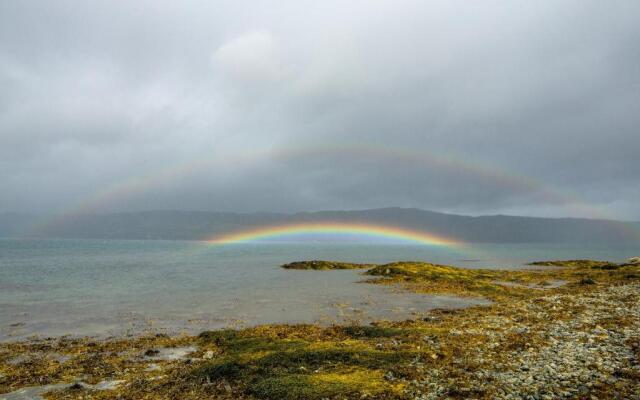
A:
(104, 288)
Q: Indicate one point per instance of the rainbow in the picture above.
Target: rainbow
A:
(335, 228)
(129, 187)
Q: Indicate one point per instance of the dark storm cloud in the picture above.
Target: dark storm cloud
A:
(246, 106)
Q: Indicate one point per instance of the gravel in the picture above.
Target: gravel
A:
(582, 346)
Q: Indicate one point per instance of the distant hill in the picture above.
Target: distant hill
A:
(195, 225)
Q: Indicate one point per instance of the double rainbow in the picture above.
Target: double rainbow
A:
(335, 228)
(525, 185)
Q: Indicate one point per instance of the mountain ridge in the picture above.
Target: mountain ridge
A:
(199, 225)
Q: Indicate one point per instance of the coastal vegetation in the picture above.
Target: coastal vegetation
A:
(325, 265)
(494, 284)
(562, 329)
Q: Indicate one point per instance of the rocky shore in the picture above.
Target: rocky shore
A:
(569, 346)
(578, 340)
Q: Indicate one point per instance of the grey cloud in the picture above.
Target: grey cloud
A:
(103, 96)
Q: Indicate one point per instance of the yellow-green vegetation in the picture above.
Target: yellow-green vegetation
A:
(303, 362)
(325, 265)
(443, 354)
(442, 279)
(498, 284)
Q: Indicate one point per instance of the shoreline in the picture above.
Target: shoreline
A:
(578, 340)
(361, 303)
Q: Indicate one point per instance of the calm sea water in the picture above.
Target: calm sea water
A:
(114, 287)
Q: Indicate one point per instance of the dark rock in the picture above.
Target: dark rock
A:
(151, 353)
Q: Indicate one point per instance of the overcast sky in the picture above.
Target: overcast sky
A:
(476, 107)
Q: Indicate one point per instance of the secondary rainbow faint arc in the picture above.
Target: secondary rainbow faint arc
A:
(380, 231)
(142, 183)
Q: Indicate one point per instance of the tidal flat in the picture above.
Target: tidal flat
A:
(562, 329)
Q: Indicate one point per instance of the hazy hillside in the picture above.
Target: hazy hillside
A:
(200, 225)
